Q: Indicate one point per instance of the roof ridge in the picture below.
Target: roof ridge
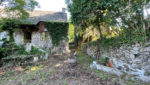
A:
(44, 11)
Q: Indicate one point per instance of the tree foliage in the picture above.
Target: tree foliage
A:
(71, 32)
(10, 25)
(18, 7)
(125, 14)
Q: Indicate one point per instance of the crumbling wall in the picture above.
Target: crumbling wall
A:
(132, 60)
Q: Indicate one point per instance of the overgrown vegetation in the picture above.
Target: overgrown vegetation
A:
(15, 54)
(84, 59)
(116, 21)
(10, 25)
(10, 48)
(58, 31)
(125, 37)
(35, 51)
(71, 32)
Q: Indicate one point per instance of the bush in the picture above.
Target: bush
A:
(129, 37)
(21, 50)
(13, 54)
(125, 37)
(35, 51)
(10, 48)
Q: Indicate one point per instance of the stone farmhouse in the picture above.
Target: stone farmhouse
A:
(36, 34)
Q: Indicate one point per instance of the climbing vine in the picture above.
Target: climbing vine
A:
(10, 25)
(58, 31)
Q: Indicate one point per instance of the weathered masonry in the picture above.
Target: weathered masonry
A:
(33, 31)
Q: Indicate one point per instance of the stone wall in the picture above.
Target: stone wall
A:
(18, 36)
(132, 60)
(4, 34)
(62, 48)
(37, 42)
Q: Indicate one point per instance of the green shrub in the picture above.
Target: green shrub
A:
(21, 50)
(125, 37)
(10, 48)
(35, 51)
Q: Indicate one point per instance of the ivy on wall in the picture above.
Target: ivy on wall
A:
(10, 25)
(58, 31)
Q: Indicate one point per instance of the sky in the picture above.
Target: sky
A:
(57, 5)
(51, 5)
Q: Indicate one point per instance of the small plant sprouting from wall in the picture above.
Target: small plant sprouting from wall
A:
(58, 31)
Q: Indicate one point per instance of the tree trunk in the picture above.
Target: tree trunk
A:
(100, 31)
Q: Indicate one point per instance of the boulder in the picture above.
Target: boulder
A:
(114, 71)
(72, 61)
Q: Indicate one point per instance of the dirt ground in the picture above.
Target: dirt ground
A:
(55, 71)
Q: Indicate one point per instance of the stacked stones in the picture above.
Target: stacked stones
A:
(133, 60)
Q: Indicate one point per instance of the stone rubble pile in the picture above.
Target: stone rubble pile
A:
(132, 60)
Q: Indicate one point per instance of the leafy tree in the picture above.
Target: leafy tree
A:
(18, 7)
(71, 32)
(10, 25)
(125, 13)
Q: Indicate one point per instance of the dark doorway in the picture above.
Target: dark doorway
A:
(27, 37)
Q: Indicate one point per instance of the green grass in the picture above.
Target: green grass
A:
(32, 84)
(101, 74)
(84, 59)
(65, 83)
(8, 74)
(44, 75)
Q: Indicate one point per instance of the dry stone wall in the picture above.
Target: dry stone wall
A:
(131, 60)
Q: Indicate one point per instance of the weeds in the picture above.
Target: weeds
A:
(7, 74)
(84, 59)
(32, 84)
(65, 83)
(44, 75)
(101, 75)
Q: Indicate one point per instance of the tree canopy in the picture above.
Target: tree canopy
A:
(105, 14)
(18, 6)
(93, 12)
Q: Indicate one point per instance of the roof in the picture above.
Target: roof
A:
(37, 16)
